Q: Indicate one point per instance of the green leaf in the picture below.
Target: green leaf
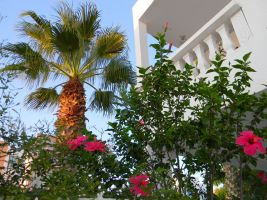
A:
(247, 56)
(88, 21)
(143, 70)
(28, 61)
(42, 98)
(65, 40)
(103, 101)
(118, 74)
(14, 67)
(110, 43)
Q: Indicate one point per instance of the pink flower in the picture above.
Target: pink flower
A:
(250, 142)
(95, 146)
(75, 143)
(140, 185)
(141, 122)
(261, 175)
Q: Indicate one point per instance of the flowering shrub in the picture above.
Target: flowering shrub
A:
(167, 143)
(180, 139)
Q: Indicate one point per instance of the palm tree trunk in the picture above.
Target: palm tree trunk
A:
(72, 107)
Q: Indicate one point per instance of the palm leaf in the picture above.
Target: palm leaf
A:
(40, 31)
(67, 16)
(103, 101)
(42, 22)
(41, 37)
(89, 21)
(14, 67)
(118, 73)
(31, 62)
(42, 98)
(65, 40)
(110, 43)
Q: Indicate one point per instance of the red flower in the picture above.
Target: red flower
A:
(261, 175)
(75, 143)
(141, 122)
(95, 146)
(250, 142)
(140, 183)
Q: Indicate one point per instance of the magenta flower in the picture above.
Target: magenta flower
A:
(141, 122)
(261, 175)
(250, 142)
(75, 143)
(140, 185)
(95, 146)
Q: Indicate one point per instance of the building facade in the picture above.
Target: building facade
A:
(197, 28)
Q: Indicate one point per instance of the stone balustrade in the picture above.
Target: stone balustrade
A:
(228, 30)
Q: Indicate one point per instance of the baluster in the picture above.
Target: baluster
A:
(188, 58)
(212, 45)
(203, 63)
(180, 64)
(241, 27)
(224, 33)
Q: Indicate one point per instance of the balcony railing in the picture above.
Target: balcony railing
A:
(228, 29)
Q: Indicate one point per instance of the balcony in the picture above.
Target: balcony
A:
(215, 23)
(227, 30)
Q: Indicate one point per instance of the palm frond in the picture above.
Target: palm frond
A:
(41, 37)
(40, 31)
(89, 21)
(110, 43)
(118, 74)
(65, 40)
(42, 98)
(14, 68)
(67, 16)
(103, 101)
(42, 22)
(31, 62)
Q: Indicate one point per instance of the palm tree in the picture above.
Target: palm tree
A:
(78, 50)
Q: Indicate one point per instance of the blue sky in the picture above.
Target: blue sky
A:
(113, 12)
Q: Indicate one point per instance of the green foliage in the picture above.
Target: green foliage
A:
(49, 170)
(189, 127)
(190, 123)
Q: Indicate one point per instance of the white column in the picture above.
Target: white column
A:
(203, 63)
(224, 32)
(213, 48)
(141, 46)
(241, 27)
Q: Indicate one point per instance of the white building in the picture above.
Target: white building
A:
(196, 27)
